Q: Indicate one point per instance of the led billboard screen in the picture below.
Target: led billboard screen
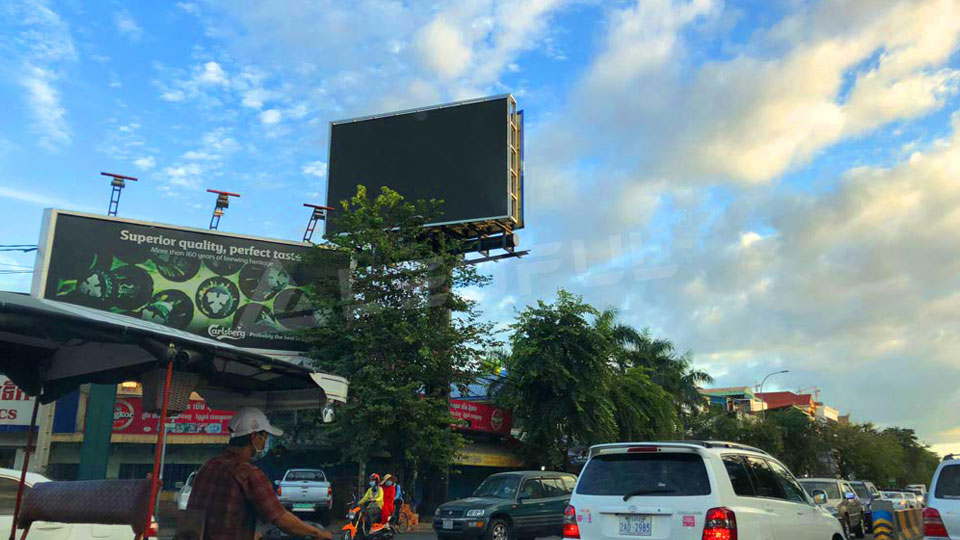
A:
(465, 154)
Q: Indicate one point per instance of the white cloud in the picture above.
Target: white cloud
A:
(315, 168)
(255, 97)
(127, 26)
(44, 100)
(212, 73)
(146, 163)
(189, 8)
(199, 156)
(173, 96)
(774, 103)
(40, 199)
(443, 48)
(46, 46)
(187, 176)
(271, 116)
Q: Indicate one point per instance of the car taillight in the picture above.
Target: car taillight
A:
(932, 524)
(570, 527)
(329, 491)
(153, 531)
(279, 491)
(721, 524)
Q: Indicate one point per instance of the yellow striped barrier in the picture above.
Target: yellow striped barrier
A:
(890, 524)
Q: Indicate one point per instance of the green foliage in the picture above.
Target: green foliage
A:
(570, 383)
(396, 326)
(892, 457)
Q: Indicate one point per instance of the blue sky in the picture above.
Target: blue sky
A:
(769, 184)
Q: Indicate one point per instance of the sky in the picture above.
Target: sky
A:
(771, 185)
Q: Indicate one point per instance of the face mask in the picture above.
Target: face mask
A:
(267, 445)
(388, 484)
(373, 484)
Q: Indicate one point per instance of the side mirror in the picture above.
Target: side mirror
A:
(178, 485)
(850, 496)
(819, 496)
(522, 498)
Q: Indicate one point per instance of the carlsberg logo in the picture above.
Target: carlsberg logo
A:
(222, 332)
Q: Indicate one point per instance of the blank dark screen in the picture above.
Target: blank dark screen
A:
(457, 154)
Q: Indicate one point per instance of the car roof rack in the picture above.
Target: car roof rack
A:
(704, 444)
(728, 444)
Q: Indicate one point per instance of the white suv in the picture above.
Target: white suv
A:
(692, 490)
(941, 517)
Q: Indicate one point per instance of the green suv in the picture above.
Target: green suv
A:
(508, 506)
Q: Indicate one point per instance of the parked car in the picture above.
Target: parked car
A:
(896, 497)
(912, 500)
(941, 517)
(10, 481)
(508, 506)
(691, 490)
(306, 490)
(183, 497)
(867, 492)
(841, 501)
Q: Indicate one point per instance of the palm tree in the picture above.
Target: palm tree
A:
(674, 373)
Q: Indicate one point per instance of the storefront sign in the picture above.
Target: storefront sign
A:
(15, 405)
(487, 457)
(128, 417)
(480, 416)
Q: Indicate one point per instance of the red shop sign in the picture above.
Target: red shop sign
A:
(128, 417)
(480, 416)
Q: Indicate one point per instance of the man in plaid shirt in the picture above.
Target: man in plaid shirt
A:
(233, 492)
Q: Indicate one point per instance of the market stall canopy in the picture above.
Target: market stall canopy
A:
(49, 348)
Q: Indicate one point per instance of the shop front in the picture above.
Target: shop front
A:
(490, 446)
(15, 410)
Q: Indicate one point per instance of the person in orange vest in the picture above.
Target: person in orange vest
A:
(389, 487)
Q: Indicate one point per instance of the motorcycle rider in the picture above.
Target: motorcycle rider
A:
(373, 496)
(389, 489)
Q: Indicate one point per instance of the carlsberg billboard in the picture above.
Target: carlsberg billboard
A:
(243, 290)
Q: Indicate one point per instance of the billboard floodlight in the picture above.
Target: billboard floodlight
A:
(223, 202)
(319, 214)
(118, 182)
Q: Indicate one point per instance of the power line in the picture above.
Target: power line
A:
(25, 248)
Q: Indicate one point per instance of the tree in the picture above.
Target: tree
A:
(803, 446)
(396, 325)
(557, 376)
(643, 409)
(674, 373)
(571, 384)
(919, 463)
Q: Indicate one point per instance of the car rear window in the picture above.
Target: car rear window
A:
(948, 483)
(830, 488)
(669, 474)
(306, 476)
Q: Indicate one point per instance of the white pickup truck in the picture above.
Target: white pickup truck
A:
(306, 490)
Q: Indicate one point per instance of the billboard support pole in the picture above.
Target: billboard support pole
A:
(97, 429)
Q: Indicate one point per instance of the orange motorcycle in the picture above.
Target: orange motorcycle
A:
(363, 525)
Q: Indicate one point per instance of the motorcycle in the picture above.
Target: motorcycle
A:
(360, 525)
